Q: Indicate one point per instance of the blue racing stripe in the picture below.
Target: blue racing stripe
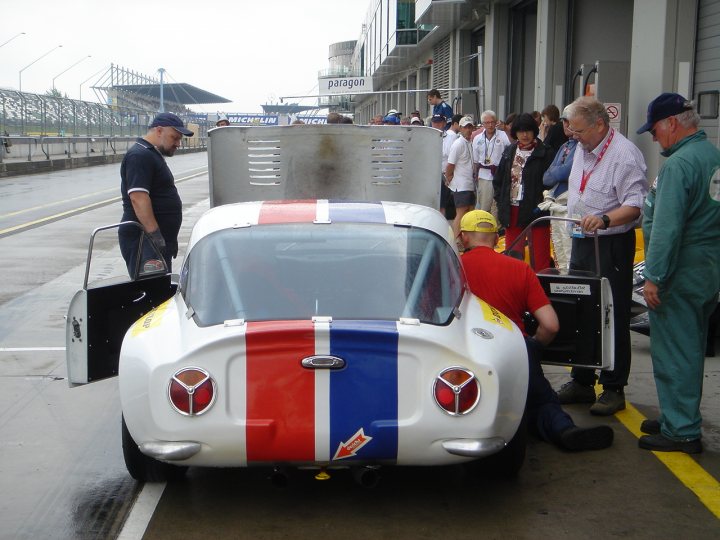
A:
(363, 212)
(364, 395)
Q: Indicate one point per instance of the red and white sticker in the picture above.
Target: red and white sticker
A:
(351, 447)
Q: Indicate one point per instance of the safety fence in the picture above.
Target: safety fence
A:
(23, 148)
(35, 115)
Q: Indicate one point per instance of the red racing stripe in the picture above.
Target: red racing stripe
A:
(287, 212)
(280, 392)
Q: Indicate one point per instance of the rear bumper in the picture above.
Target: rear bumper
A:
(182, 450)
(475, 448)
(170, 451)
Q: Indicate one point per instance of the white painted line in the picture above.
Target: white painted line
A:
(30, 349)
(142, 511)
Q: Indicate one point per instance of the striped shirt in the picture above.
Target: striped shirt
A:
(617, 180)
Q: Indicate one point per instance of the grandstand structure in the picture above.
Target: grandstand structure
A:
(127, 103)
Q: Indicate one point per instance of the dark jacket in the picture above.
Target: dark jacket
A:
(556, 137)
(532, 179)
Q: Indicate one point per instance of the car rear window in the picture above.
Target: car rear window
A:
(341, 270)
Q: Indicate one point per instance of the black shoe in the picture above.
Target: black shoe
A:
(591, 438)
(651, 427)
(609, 402)
(574, 392)
(660, 443)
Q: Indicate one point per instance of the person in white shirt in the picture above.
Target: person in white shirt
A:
(488, 148)
(460, 173)
(447, 207)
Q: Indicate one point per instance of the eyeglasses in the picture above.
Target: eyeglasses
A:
(578, 131)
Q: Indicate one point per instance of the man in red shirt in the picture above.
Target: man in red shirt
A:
(511, 286)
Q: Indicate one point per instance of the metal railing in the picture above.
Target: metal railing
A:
(36, 115)
(18, 148)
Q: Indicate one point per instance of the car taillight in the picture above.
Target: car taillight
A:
(191, 391)
(456, 391)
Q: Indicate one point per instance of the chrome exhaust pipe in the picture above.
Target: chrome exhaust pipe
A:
(367, 477)
(279, 477)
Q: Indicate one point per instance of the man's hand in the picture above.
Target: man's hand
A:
(158, 240)
(651, 294)
(591, 223)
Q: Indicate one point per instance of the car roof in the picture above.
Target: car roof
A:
(319, 211)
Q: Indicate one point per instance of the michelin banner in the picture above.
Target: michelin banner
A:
(345, 85)
(252, 119)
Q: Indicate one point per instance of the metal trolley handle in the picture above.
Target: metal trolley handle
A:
(524, 235)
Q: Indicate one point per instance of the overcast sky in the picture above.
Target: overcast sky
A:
(251, 52)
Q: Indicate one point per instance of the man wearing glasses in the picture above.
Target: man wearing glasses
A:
(607, 188)
(681, 229)
(488, 148)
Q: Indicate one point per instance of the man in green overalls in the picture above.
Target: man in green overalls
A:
(682, 269)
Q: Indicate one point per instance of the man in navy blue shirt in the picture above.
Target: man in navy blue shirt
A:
(439, 106)
(149, 194)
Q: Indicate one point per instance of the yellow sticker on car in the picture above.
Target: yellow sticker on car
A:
(150, 319)
(494, 316)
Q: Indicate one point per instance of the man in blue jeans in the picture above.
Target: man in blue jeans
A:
(512, 287)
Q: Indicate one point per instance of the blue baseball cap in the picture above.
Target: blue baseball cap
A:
(664, 106)
(167, 119)
(391, 119)
(438, 118)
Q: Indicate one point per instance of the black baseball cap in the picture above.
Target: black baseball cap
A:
(167, 119)
(664, 106)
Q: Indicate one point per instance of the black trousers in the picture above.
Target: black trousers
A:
(617, 253)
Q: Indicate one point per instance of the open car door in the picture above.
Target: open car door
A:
(99, 315)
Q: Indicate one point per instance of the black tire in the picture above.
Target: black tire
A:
(507, 463)
(144, 468)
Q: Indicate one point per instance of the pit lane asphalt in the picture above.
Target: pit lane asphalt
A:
(62, 474)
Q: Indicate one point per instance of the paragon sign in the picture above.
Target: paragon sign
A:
(345, 85)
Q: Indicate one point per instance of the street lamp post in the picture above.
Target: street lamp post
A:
(68, 69)
(9, 40)
(31, 63)
(86, 80)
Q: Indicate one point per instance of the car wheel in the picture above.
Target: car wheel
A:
(506, 463)
(510, 459)
(144, 468)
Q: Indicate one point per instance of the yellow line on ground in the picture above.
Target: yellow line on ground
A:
(685, 468)
(57, 216)
(76, 210)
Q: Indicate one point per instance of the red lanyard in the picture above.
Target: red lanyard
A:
(586, 175)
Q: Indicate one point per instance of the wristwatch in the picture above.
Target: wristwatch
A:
(605, 220)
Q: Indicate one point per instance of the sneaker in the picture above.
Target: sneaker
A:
(660, 443)
(651, 427)
(574, 392)
(609, 402)
(591, 438)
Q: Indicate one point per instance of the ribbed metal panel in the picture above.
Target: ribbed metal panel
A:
(441, 64)
(707, 57)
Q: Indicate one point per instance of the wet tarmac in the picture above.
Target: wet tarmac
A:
(62, 473)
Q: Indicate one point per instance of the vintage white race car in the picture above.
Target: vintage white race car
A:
(313, 333)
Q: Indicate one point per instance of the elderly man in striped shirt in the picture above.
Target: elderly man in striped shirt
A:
(607, 189)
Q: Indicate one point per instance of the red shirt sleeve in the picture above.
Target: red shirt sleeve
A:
(536, 297)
